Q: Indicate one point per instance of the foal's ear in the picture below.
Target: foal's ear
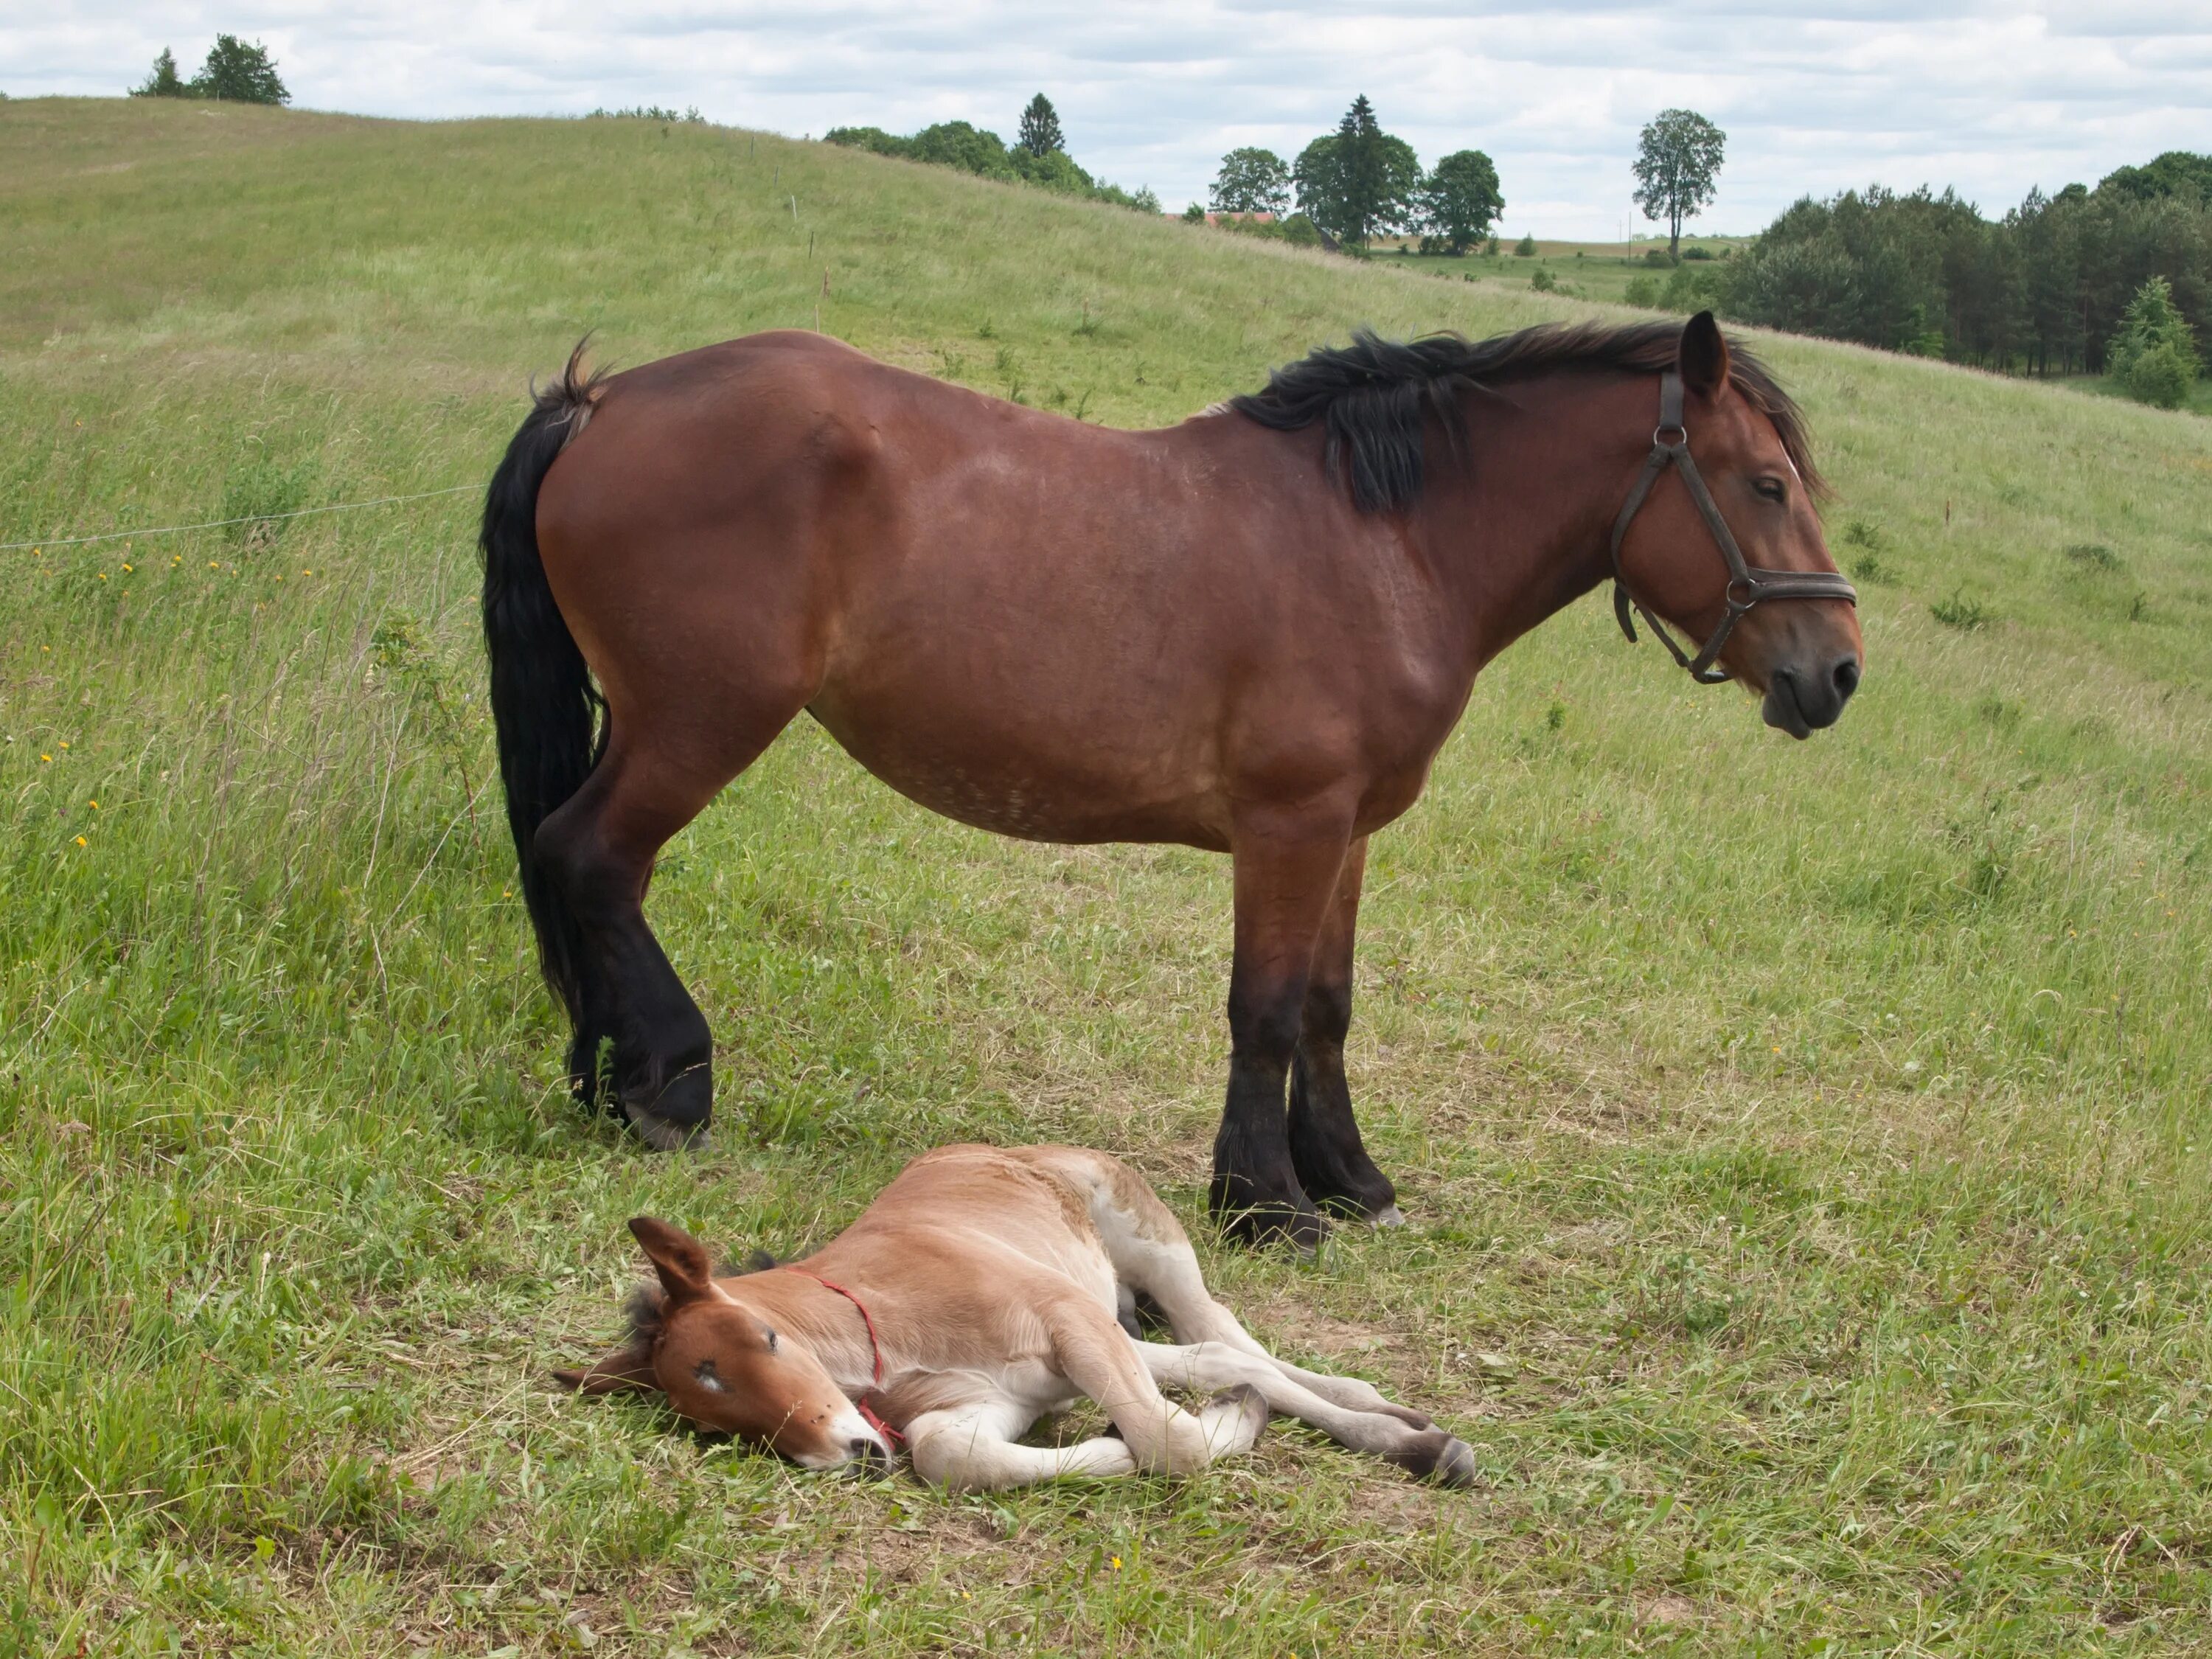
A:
(1703, 356)
(625, 1367)
(685, 1272)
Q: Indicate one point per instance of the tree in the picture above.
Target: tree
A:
(1359, 182)
(1676, 159)
(164, 82)
(1040, 132)
(1252, 182)
(2176, 173)
(2153, 355)
(240, 74)
(1460, 200)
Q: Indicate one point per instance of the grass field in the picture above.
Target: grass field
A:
(1806, 1145)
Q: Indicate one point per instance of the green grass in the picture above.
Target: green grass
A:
(1807, 1144)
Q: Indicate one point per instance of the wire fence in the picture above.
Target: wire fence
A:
(42, 543)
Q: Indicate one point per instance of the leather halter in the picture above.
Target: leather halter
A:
(875, 1352)
(1747, 586)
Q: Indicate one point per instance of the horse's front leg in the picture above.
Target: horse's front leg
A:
(1331, 1160)
(1287, 865)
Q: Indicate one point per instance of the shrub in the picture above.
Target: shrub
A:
(2161, 376)
(1653, 256)
(1195, 214)
(1525, 248)
(2095, 556)
(1543, 282)
(1641, 291)
(1696, 254)
(1961, 612)
(2153, 355)
(163, 82)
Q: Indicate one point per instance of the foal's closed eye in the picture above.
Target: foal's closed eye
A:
(707, 1378)
(1772, 488)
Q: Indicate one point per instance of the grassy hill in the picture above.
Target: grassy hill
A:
(1807, 1144)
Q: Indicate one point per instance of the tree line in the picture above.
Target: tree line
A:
(2071, 283)
(1360, 182)
(1038, 157)
(234, 72)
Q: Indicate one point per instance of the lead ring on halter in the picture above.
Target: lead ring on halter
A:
(1747, 585)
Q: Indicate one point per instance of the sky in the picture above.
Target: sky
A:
(1815, 97)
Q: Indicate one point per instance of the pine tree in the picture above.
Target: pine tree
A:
(1040, 132)
(164, 82)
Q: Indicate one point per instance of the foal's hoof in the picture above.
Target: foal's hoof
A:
(665, 1135)
(1437, 1457)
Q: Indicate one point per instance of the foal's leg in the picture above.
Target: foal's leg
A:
(1286, 868)
(1427, 1451)
(1331, 1161)
(599, 847)
(973, 1448)
(1092, 1351)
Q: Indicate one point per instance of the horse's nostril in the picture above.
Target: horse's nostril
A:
(1847, 676)
(864, 1449)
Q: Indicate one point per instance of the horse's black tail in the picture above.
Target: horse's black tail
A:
(544, 705)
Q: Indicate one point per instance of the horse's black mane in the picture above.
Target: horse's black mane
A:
(1376, 395)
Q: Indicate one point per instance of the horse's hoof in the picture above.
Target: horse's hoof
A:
(665, 1135)
(1389, 1216)
(1263, 1226)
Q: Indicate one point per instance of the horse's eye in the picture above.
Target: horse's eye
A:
(706, 1377)
(1773, 489)
(771, 1341)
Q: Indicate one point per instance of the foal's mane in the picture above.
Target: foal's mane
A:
(1376, 395)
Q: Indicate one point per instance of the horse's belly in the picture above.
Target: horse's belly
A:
(997, 775)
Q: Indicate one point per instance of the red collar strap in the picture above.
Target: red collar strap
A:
(875, 1353)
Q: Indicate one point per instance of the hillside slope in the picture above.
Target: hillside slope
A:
(1807, 1143)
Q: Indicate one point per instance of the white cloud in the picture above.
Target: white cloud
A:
(1991, 97)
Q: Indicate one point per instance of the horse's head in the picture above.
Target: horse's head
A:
(724, 1366)
(1803, 653)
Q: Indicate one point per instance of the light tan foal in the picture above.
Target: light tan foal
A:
(982, 1289)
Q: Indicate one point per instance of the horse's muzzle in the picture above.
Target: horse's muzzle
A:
(1802, 702)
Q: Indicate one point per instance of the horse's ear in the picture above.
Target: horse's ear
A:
(1703, 356)
(625, 1367)
(685, 1272)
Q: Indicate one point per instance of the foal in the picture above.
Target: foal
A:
(982, 1289)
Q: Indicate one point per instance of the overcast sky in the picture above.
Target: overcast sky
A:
(1991, 97)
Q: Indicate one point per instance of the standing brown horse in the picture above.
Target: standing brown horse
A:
(1249, 633)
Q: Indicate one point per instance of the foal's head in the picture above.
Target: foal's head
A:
(724, 1366)
(1804, 655)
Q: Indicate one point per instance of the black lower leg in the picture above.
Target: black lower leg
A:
(1325, 1149)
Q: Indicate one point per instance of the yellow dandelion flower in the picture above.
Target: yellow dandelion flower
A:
(214, 564)
(79, 840)
(103, 575)
(93, 805)
(1115, 1562)
(130, 566)
(66, 745)
(46, 757)
(306, 573)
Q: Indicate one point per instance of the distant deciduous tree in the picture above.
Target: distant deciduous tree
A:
(2178, 172)
(164, 82)
(1040, 133)
(1252, 182)
(1460, 200)
(1677, 159)
(240, 74)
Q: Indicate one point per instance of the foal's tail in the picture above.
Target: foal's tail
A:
(542, 702)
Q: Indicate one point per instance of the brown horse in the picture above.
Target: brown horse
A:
(1249, 633)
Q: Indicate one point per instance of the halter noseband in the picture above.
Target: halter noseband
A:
(1748, 586)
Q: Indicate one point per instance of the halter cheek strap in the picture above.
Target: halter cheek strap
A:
(1748, 586)
(875, 1353)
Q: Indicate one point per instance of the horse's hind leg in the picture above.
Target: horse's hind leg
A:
(1326, 1150)
(599, 847)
